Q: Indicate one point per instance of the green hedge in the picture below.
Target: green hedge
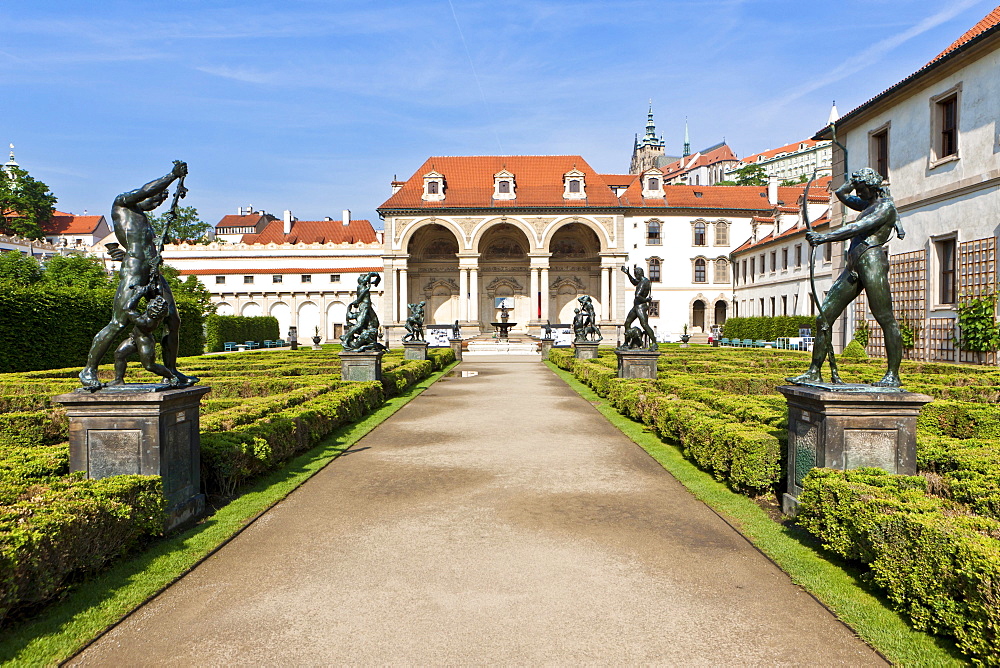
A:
(53, 327)
(69, 527)
(220, 329)
(766, 328)
(939, 566)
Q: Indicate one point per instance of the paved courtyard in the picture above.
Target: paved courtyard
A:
(497, 518)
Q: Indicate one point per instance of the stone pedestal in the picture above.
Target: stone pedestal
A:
(585, 350)
(456, 346)
(637, 363)
(545, 345)
(361, 366)
(134, 429)
(415, 350)
(852, 426)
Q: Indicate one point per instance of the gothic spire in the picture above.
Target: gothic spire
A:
(687, 139)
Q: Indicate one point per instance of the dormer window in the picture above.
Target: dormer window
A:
(503, 185)
(433, 187)
(652, 183)
(574, 185)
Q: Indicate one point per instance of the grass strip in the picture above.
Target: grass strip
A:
(833, 584)
(96, 605)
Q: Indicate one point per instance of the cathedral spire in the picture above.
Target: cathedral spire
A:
(650, 138)
(687, 139)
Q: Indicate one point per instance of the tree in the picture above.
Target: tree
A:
(186, 227)
(25, 203)
(794, 182)
(190, 286)
(751, 175)
(19, 269)
(76, 271)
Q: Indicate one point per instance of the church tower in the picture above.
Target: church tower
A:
(645, 152)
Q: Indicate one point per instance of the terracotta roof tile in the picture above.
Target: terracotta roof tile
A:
(538, 182)
(987, 22)
(787, 148)
(798, 228)
(314, 232)
(67, 223)
(249, 220)
(746, 198)
(700, 159)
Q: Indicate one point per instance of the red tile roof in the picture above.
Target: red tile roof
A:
(538, 182)
(988, 25)
(718, 154)
(745, 198)
(619, 179)
(249, 220)
(774, 152)
(67, 223)
(314, 232)
(798, 228)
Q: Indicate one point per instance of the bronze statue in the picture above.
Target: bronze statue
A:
(139, 276)
(141, 339)
(591, 332)
(640, 306)
(415, 322)
(579, 326)
(867, 269)
(547, 330)
(362, 333)
(456, 331)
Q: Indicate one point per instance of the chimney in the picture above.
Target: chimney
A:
(347, 217)
(772, 190)
(327, 218)
(239, 211)
(287, 229)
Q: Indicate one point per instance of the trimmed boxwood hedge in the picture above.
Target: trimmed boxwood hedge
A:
(766, 328)
(220, 329)
(44, 327)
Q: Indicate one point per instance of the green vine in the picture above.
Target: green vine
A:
(909, 330)
(977, 324)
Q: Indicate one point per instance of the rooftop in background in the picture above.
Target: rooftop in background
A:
(314, 232)
(68, 223)
(775, 152)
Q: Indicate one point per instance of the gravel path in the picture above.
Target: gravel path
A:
(497, 518)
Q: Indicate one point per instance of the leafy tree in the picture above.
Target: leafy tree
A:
(751, 175)
(19, 269)
(725, 183)
(186, 227)
(794, 182)
(76, 271)
(25, 203)
(190, 286)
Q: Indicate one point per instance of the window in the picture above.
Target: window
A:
(763, 267)
(744, 271)
(220, 280)
(335, 278)
(574, 185)
(798, 255)
(773, 312)
(944, 125)
(503, 187)
(307, 278)
(699, 233)
(654, 270)
(699, 270)
(247, 279)
(654, 309)
(784, 258)
(878, 150)
(721, 233)
(946, 270)
(774, 260)
(784, 305)
(432, 187)
(721, 271)
(653, 232)
(827, 252)
(653, 184)
(948, 110)
(753, 268)
(276, 278)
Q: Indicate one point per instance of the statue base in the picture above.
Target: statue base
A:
(586, 350)
(132, 429)
(636, 363)
(849, 429)
(415, 350)
(545, 345)
(361, 366)
(456, 347)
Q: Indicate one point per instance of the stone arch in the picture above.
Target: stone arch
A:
(564, 292)
(224, 308)
(442, 297)
(412, 228)
(251, 310)
(434, 243)
(283, 314)
(602, 234)
(336, 316)
(697, 314)
(308, 320)
(484, 228)
(720, 312)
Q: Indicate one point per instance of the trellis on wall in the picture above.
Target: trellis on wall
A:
(908, 282)
(977, 277)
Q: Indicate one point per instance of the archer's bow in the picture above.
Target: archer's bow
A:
(827, 325)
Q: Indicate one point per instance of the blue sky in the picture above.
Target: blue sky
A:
(315, 106)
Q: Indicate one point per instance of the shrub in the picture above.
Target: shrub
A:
(854, 350)
(766, 328)
(220, 329)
